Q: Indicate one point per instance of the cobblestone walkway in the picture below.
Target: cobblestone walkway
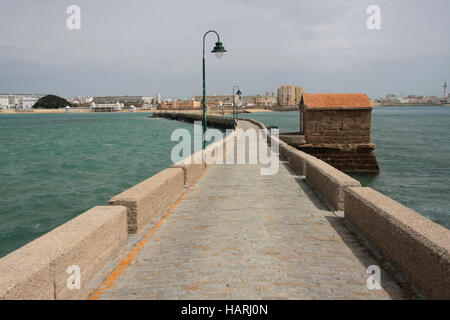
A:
(240, 235)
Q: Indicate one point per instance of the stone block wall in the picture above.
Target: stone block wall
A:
(347, 158)
(415, 246)
(337, 126)
(150, 198)
(38, 270)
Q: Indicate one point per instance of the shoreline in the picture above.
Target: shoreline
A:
(59, 111)
(210, 112)
(338, 191)
(411, 105)
(63, 111)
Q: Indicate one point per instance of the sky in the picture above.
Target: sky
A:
(142, 47)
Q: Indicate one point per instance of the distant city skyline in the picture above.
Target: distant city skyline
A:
(154, 95)
(142, 48)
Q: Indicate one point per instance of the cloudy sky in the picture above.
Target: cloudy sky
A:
(142, 47)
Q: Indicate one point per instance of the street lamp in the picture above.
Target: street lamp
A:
(234, 103)
(218, 51)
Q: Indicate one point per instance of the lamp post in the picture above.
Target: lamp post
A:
(234, 103)
(218, 50)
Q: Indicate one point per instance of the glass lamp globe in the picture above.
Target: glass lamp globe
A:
(219, 50)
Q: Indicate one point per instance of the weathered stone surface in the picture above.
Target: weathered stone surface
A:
(193, 167)
(329, 182)
(346, 157)
(240, 235)
(417, 247)
(213, 121)
(293, 139)
(38, 269)
(151, 198)
(337, 126)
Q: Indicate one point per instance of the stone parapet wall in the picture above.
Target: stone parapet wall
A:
(151, 198)
(329, 182)
(94, 238)
(212, 121)
(38, 270)
(417, 248)
(296, 158)
(193, 166)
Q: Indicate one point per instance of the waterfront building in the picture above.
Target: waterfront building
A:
(126, 100)
(114, 107)
(13, 101)
(20, 101)
(27, 102)
(81, 100)
(336, 129)
(391, 96)
(432, 100)
(180, 104)
(218, 100)
(150, 105)
(260, 101)
(335, 118)
(289, 95)
(4, 102)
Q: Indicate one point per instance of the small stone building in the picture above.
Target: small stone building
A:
(337, 129)
(335, 118)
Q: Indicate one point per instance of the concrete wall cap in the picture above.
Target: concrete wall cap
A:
(29, 272)
(332, 173)
(424, 230)
(146, 187)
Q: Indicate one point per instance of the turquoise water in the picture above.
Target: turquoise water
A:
(413, 151)
(54, 167)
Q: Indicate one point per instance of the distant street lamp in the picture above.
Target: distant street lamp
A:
(218, 50)
(234, 103)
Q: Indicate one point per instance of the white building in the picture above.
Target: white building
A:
(122, 99)
(82, 100)
(27, 102)
(147, 99)
(13, 101)
(4, 102)
(112, 107)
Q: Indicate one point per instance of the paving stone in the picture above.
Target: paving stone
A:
(240, 235)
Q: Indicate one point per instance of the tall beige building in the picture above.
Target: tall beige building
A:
(289, 95)
(260, 101)
(180, 104)
(218, 100)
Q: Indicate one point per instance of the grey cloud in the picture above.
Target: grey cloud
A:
(145, 47)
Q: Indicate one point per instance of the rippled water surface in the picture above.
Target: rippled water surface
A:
(413, 150)
(54, 167)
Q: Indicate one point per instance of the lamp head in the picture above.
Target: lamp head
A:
(219, 50)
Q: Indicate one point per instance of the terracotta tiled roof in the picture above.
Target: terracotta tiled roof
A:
(336, 100)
